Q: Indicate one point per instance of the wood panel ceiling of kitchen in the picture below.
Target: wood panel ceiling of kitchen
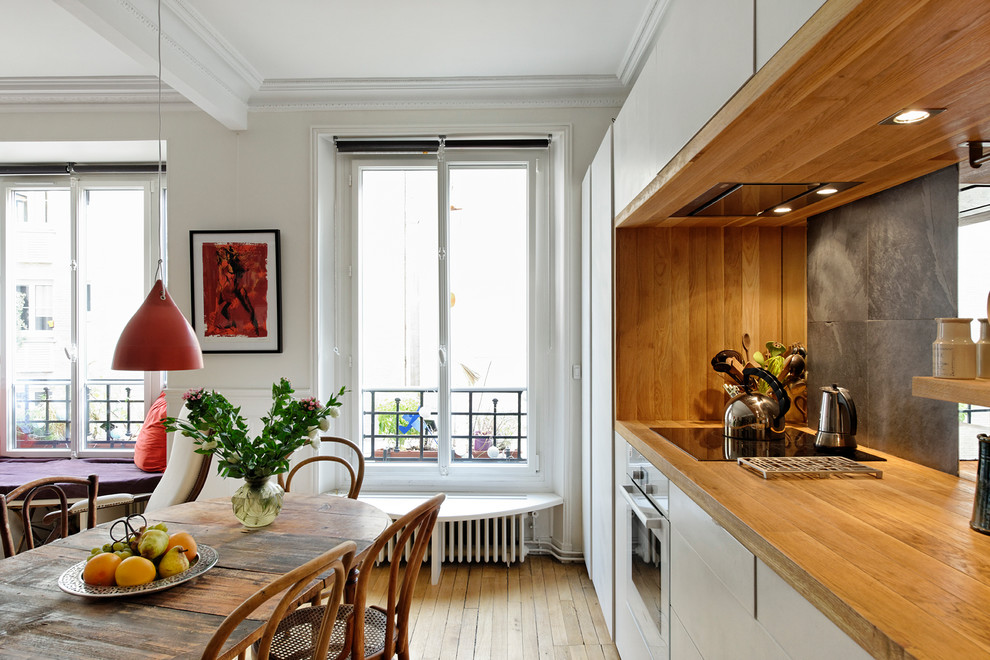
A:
(812, 112)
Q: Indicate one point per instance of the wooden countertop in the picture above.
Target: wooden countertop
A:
(892, 561)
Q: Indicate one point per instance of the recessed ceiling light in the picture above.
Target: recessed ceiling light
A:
(911, 115)
(827, 190)
(782, 209)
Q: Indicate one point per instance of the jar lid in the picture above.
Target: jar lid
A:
(954, 320)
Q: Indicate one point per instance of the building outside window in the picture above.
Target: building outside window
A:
(74, 271)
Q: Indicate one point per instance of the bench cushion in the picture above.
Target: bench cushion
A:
(117, 475)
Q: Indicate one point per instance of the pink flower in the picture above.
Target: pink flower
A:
(193, 395)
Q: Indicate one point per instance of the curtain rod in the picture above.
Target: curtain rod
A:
(78, 168)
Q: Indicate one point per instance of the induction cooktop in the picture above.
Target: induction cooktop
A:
(709, 444)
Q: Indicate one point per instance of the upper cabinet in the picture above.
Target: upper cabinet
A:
(704, 54)
(785, 92)
(776, 21)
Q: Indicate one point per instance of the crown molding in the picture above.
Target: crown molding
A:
(205, 69)
(425, 93)
(642, 42)
(92, 90)
(113, 93)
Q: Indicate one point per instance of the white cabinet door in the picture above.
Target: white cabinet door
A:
(728, 560)
(681, 646)
(797, 625)
(602, 425)
(704, 54)
(586, 362)
(638, 155)
(777, 21)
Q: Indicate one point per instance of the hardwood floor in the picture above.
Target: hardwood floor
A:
(538, 609)
(967, 470)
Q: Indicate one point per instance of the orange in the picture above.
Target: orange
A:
(100, 569)
(134, 571)
(186, 540)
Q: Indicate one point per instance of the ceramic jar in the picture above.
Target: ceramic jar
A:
(953, 352)
(983, 350)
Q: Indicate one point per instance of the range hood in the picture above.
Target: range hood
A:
(735, 200)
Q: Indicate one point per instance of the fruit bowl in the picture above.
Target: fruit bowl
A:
(71, 581)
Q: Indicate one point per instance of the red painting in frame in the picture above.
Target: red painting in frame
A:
(236, 293)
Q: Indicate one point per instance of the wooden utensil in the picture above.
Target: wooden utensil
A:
(745, 341)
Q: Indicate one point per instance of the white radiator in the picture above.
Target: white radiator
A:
(496, 539)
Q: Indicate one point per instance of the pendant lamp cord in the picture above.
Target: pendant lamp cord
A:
(160, 271)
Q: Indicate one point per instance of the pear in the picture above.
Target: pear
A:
(153, 543)
(173, 562)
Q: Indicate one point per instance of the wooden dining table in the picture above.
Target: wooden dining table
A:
(39, 620)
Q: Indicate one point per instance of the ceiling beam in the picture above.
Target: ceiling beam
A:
(193, 62)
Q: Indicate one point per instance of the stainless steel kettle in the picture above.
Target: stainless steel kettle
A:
(754, 415)
(837, 423)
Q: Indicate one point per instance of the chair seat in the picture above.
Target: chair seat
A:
(296, 635)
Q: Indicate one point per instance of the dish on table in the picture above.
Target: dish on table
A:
(71, 581)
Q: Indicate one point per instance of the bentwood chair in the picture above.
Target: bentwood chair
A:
(375, 632)
(295, 586)
(54, 489)
(357, 476)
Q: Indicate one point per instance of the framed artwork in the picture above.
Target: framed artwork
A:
(236, 294)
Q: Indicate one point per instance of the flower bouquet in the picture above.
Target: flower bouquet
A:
(217, 427)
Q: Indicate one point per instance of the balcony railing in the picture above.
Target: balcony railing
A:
(487, 425)
(114, 413)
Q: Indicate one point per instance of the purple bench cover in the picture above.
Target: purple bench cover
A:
(117, 475)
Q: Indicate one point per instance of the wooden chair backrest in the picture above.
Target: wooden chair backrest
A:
(415, 527)
(357, 476)
(295, 586)
(26, 494)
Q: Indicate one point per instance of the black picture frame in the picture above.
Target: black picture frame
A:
(236, 290)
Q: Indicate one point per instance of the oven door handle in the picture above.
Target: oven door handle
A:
(650, 519)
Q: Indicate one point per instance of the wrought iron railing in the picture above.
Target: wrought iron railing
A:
(487, 424)
(967, 410)
(114, 413)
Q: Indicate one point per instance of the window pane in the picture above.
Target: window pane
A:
(489, 256)
(114, 244)
(39, 266)
(398, 316)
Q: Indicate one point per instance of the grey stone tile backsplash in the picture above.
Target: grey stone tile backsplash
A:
(880, 270)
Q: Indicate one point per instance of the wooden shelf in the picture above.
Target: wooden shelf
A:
(947, 389)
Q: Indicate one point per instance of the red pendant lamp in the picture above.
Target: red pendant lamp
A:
(158, 337)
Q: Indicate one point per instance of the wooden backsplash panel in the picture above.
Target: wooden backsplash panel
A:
(684, 294)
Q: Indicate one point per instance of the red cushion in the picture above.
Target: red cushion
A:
(149, 450)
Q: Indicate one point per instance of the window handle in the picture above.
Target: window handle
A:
(442, 354)
(70, 353)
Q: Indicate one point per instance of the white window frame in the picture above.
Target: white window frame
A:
(78, 185)
(336, 339)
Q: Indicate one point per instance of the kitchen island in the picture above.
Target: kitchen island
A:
(892, 561)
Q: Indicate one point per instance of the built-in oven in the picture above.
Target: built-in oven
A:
(645, 561)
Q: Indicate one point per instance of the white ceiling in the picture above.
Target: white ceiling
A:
(233, 56)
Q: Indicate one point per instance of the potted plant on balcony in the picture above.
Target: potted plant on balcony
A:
(217, 427)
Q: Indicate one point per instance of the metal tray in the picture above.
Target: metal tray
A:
(71, 581)
(806, 466)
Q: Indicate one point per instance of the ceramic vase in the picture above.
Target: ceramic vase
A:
(257, 502)
(953, 351)
(983, 351)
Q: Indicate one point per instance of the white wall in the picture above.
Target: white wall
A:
(262, 178)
